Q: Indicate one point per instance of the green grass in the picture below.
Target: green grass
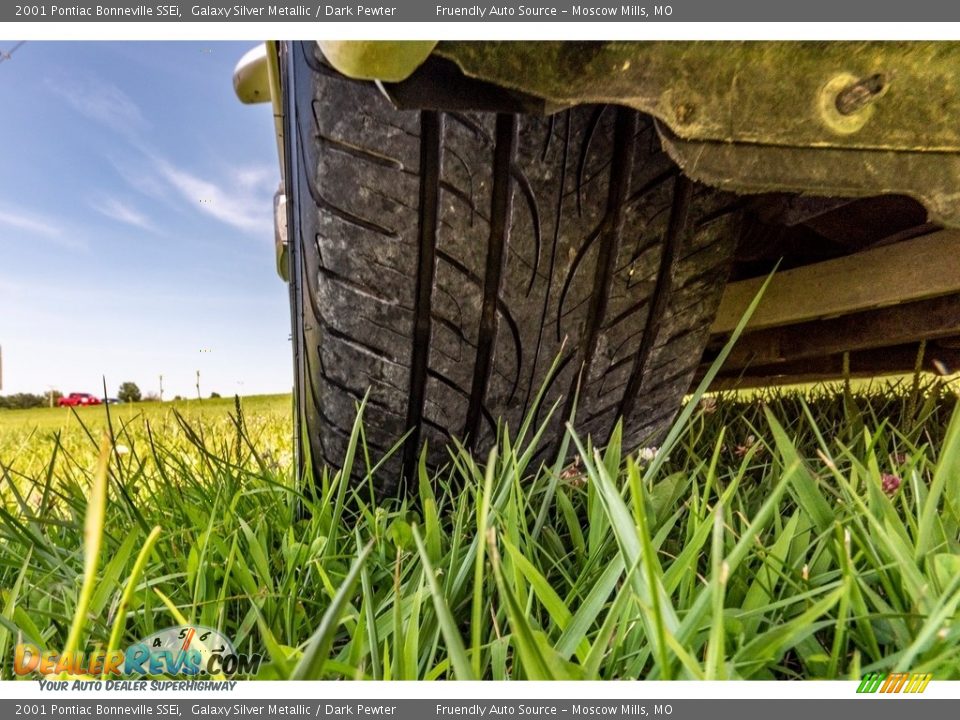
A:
(760, 544)
(16, 422)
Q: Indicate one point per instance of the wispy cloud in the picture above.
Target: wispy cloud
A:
(38, 226)
(29, 223)
(116, 209)
(101, 101)
(257, 178)
(140, 179)
(241, 203)
(238, 197)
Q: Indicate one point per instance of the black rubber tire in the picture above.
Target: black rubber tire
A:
(445, 259)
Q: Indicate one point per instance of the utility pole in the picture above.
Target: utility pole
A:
(198, 386)
(8, 55)
(161, 388)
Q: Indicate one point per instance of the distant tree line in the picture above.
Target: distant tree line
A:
(24, 401)
(128, 393)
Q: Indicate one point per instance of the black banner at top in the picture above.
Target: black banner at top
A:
(469, 11)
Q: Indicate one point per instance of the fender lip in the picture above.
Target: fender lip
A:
(256, 80)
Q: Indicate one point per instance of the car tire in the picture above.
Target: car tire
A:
(442, 261)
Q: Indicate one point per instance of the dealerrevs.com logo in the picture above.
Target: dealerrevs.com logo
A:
(182, 650)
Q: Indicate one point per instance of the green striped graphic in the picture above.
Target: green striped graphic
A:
(870, 683)
(894, 683)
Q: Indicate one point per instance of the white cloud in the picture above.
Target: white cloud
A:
(258, 178)
(139, 179)
(116, 209)
(29, 223)
(100, 101)
(244, 205)
(41, 227)
(242, 199)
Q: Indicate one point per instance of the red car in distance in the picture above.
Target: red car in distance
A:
(78, 400)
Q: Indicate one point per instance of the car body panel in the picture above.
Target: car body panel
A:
(78, 400)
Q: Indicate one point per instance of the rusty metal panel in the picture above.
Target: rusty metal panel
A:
(877, 95)
(750, 117)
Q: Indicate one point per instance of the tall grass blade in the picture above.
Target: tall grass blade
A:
(317, 652)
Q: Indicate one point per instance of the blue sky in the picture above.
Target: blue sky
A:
(135, 222)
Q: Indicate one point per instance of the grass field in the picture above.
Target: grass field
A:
(776, 535)
(49, 420)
